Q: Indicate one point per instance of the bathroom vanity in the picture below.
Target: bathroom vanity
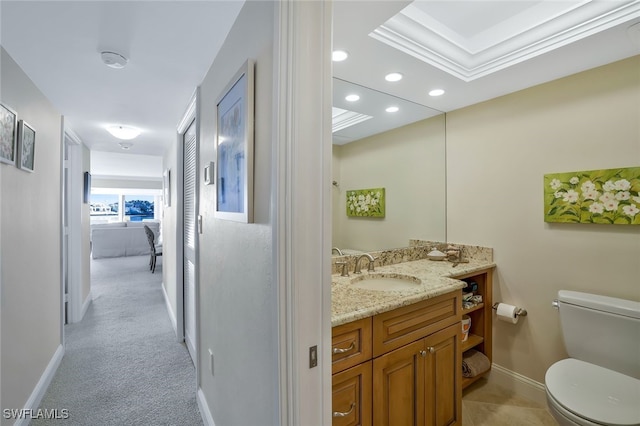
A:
(397, 352)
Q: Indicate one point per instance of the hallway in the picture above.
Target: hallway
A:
(122, 364)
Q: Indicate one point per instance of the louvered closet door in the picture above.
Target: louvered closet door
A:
(189, 203)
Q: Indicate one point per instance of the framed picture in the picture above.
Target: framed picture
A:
(26, 146)
(607, 196)
(86, 196)
(8, 134)
(366, 202)
(166, 187)
(234, 148)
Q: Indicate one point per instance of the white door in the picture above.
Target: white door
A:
(190, 235)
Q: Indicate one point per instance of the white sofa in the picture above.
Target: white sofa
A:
(121, 239)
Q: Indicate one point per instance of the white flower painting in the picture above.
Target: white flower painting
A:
(597, 196)
(366, 202)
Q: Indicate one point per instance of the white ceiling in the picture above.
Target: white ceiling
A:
(170, 46)
(475, 50)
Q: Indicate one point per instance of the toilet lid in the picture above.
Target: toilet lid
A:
(598, 394)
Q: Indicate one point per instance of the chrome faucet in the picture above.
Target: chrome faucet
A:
(356, 270)
(343, 268)
(336, 249)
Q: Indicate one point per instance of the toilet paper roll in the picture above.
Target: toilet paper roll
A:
(507, 313)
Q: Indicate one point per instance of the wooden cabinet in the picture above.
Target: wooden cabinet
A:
(414, 376)
(481, 318)
(419, 383)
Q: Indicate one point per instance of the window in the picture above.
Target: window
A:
(104, 208)
(139, 207)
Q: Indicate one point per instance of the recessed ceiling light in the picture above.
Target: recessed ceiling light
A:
(123, 132)
(339, 55)
(392, 109)
(394, 76)
(113, 59)
(352, 98)
(436, 92)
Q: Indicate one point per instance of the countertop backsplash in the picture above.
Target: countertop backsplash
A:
(417, 250)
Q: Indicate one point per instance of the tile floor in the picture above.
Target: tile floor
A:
(485, 404)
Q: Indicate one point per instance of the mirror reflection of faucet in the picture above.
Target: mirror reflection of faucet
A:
(336, 250)
(371, 259)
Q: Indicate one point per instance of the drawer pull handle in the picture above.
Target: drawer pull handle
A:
(339, 414)
(341, 350)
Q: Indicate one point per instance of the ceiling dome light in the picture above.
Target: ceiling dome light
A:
(436, 92)
(339, 55)
(123, 132)
(392, 109)
(113, 59)
(352, 98)
(394, 76)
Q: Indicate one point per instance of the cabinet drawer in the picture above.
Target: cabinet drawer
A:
(350, 344)
(352, 396)
(396, 328)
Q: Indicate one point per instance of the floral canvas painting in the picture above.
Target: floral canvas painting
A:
(609, 196)
(365, 202)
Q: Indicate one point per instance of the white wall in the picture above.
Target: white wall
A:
(30, 244)
(86, 231)
(497, 154)
(409, 162)
(114, 164)
(169, 240)
(238, 298)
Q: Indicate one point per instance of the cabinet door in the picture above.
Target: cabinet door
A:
(398, 387)
(351, 397)
(443, 374)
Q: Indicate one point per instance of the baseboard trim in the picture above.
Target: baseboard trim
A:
(172, 315)
(518, 384)
(207, 418)
(43, 384)
(85, 305)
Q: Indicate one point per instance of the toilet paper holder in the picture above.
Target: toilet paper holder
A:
(520, 312)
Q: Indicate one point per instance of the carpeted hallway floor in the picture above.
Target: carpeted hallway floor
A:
(122, 362)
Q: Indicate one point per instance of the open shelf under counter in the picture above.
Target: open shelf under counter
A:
(477, 307)
(472, 341)
(466, 381)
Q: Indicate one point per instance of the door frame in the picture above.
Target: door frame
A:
(191, 115)
(71, 208)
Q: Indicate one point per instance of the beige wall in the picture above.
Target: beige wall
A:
(409, 162)
(497, 154)
(30, 241)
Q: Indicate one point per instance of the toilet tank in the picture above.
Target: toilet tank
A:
(601, 330)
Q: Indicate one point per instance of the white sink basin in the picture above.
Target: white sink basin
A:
(386, 282)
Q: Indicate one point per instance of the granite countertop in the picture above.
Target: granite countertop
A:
(349, 303)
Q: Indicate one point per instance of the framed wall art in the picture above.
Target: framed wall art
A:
(166, 187)
(609, 196)
(234, 148)
(26, 146)
(8, 134)
(366, 202)
(86, 193)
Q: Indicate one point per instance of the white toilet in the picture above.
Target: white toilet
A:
(600, 383)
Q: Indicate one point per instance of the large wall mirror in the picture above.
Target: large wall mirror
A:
(402, 151)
